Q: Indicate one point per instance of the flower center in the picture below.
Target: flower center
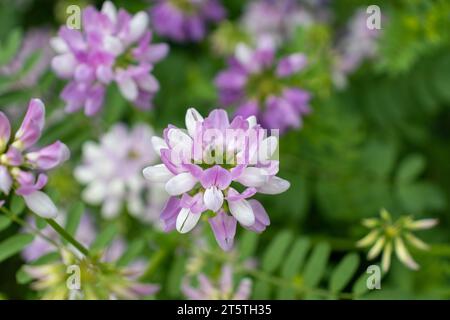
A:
(124, 60)
(264, 84)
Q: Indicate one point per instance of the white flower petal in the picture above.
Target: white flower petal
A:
(265, 150)
(252, 121)
(110, 10)
(242, 211)
(180, 184)
(243, 53)
(41, 204)
(85, 174)
(94, 193)
(5, 180)
(253, 177)
(157, 173)
(376, 249)
(187, 220)
(64, 65)
(113, 45)
(386, 258)
(138, 24)
(128, 89)
(158, 144)
(178, 138)
(213, 199)
(423, 224)
(191, 119)
(369, 239)
(403, 254)
(59, 45)
(275, 185)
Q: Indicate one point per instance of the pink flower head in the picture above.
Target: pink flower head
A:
(223, 290)
(113, 46)
(257, 84)
(202, 167)
(23, 166)
(185, 20)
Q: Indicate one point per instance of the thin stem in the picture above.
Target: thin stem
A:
(27, 226)
(63, 233)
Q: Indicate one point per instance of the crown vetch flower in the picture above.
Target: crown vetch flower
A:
(223, 290)
(113, 46)
(258, 84)
(23, 166)
(389, 236)
(185, 20)
(112, 171)
(203, 168)
(100, 278)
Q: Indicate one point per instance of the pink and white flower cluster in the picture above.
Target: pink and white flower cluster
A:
(113, 46)
(23, 166)
(257, 83)
(204, 167)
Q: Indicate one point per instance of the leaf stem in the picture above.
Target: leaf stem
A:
(13, 217)
(63, 233)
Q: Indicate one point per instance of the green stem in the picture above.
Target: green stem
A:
(63, 233)
(28, 227)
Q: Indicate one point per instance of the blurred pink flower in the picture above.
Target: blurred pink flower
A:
(185, 20)
(259, 85)
(112, 172)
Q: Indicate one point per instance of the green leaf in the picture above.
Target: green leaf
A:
(40, 222)
(247, 244)
(74, 217)
(292, 265)
(295, 259)
(276, 251)
(134, 249)
(116, 105)
(17, 205)
(343, 272)
(261, 290)
(104, 238)
(410, 168)
(11, 47)
(315, 267)
(4, 222)
(13, 245)
(175, 276)
(360, 285)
